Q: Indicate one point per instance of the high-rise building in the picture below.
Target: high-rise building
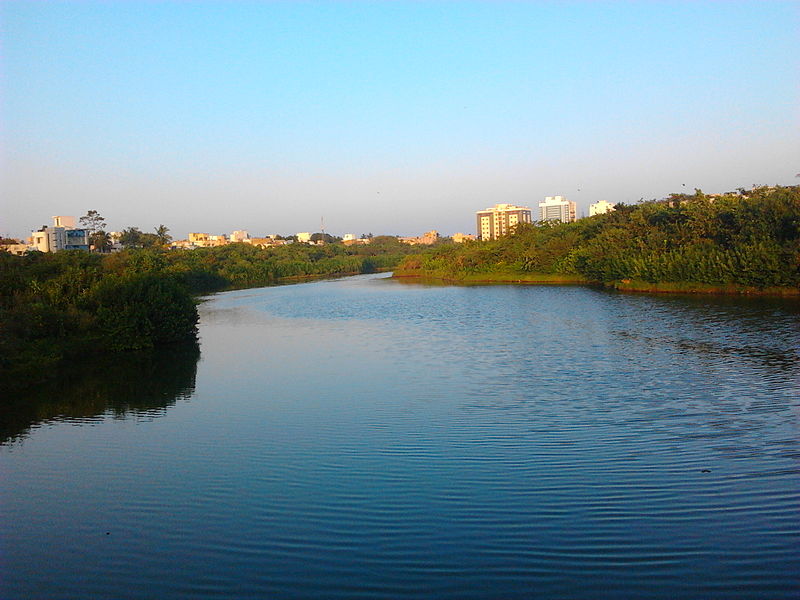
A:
(499, 220)
(600, 208)
(557, 208)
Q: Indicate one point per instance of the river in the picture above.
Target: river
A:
(366, 438)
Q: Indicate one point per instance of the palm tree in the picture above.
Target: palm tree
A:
(162, 233)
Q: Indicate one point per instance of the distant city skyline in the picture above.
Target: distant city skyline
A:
(391, 118)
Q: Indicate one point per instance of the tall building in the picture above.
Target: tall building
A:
(557, 208)
(600, 208)
(499, 220)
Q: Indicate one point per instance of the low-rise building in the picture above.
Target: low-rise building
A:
(600, 208)
(350, 239)
(427, 238)
(63, 235)
(459, 238)
(205, 240)
(17, 249)
(265, 242)
(304, 237)
(356, 241)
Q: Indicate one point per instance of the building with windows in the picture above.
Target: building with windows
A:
(62, 236)
(600, 208)
(205, 240)
(500, 220)
(557, 208)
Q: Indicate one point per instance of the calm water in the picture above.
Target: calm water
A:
(363, 438)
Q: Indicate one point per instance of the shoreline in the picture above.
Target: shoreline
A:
(626, 286)
(293, 279)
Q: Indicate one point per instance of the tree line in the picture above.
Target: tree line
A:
(58, 306)
(749, 239)
(130, 237)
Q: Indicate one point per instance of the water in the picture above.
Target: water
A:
(364, 438)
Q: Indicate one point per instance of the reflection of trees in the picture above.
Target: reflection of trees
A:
(755, 330)
(136, 383)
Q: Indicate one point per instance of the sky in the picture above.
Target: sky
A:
(384, 117)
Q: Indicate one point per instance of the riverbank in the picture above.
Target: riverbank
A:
(494, 278)
(64, 306)
(630, 286)
(739, 243)
(688, 287)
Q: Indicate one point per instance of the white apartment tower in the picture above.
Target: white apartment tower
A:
(499, 220)
(557, 208)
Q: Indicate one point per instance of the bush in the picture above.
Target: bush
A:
(143, 311)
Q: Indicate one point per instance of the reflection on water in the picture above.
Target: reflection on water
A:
(143, 383)
(361, 438)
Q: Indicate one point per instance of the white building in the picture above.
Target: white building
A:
(239, 236)
(62, 236)
(304, 237)
(600, 208)
(349, 237)
(557, 208)
(499, 220)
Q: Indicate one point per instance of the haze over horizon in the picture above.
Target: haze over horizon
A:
(390, 118)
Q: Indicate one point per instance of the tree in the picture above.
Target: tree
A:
(324, 237)
(162, 233)
(98, 238)
(93, 221)
(100, 241)
(131, 237)
(143, 311)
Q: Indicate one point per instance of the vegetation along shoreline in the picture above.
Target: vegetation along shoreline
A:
(61, 307)
(739, 243)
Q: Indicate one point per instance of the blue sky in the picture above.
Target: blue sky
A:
(385, 117)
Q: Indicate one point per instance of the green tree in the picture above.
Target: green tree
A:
(131, 237)
(143, 311)
(93, 221)
(100, 241)
(162, 233)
